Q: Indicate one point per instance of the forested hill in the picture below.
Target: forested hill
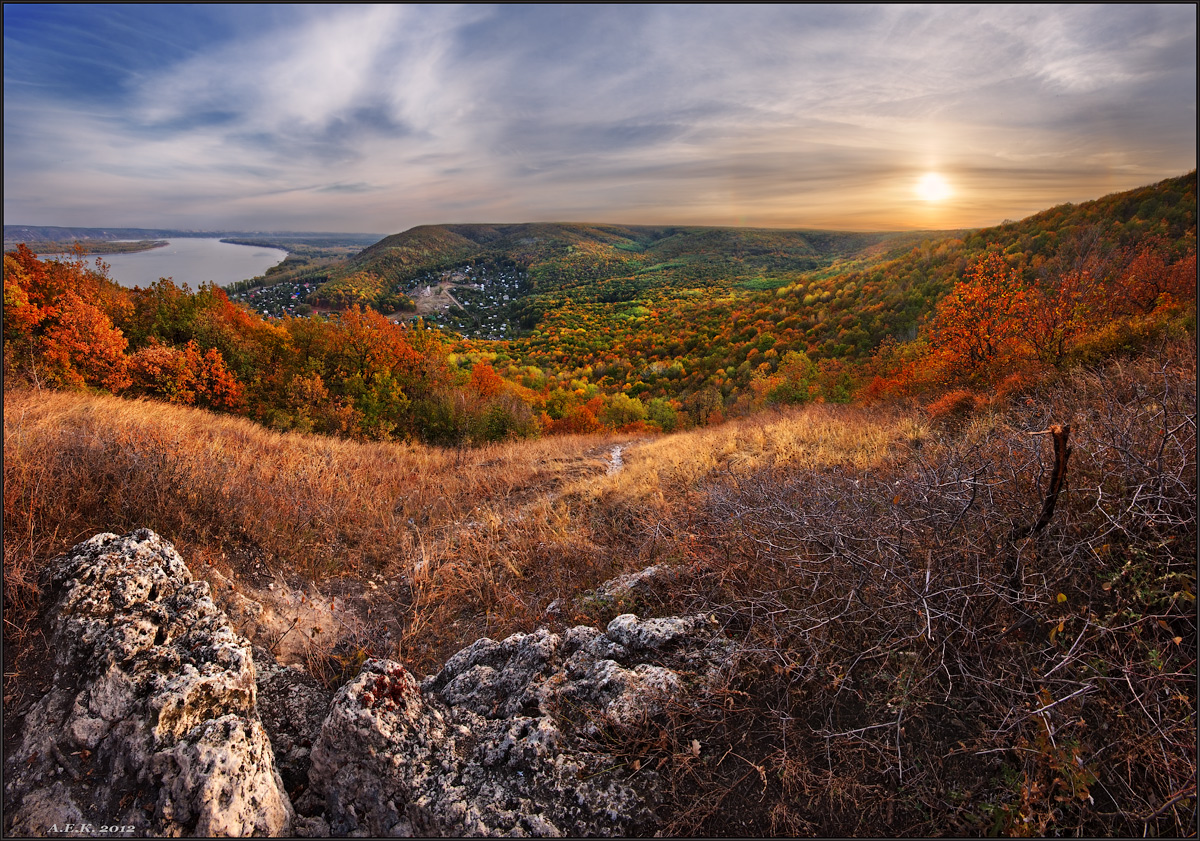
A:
(694, 314)
(885, 283)
(548, 328)
(563, 255)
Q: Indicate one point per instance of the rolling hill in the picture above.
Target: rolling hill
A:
(590, 302)
(963, 604)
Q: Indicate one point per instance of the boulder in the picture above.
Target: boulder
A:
(161, 720)
(150, 722)
(517, 737)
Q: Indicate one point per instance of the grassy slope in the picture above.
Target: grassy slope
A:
(896, 642)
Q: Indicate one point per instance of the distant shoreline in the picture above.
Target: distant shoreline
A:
(186, 260)
(89, 247)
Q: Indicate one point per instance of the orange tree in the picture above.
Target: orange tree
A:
(1058, 311)
(52, 328)
(977, 327)
(188, 376)
(1151, 278)
(82, 348)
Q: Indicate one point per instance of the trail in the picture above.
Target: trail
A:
(615, 464)
(300, 621)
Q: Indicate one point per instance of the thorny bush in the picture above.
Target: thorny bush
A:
(923, 669)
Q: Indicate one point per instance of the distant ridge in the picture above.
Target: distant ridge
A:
(609, 249)
(31, 234)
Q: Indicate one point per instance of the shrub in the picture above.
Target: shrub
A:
(954, 406)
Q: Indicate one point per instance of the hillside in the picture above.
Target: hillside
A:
(598, 262)
(710, 316)
(691, 315)
(918, 652)
(951, 574)
(636, 329)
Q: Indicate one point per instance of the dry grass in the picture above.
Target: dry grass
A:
(479, 541)
(920, 664)
(260, 504)
(820, 435)
(650, 500)
(907, 664)
(323, 505)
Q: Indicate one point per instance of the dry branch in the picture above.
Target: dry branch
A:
(1062, 454)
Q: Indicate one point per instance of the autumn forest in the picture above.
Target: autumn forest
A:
(630, 329)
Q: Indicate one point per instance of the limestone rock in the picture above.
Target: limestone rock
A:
(634, 587)
(510, 737)
(161, 719)
(151, 718)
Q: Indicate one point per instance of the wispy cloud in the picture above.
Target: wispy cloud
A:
(383, 117)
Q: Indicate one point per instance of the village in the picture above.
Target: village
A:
(476, 301)
(280, 299)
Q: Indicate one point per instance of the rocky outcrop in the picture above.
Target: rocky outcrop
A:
(633, 587)
(160, 719)
(510, 738)
(150, 723)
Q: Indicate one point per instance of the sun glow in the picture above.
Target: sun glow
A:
(932, 187)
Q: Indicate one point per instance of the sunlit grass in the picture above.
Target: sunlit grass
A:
(668, 466)
(862, 558)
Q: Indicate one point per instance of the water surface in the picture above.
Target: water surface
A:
(192, 261)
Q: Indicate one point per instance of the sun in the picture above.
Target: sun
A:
(932, 187)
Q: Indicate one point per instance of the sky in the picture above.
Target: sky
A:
(375, 119)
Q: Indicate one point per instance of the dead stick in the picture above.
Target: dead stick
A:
(1062, 454)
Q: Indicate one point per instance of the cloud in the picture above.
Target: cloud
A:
(383, 117)
(358, 187)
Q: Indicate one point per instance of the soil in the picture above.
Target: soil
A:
(27, 677)
(437, 299)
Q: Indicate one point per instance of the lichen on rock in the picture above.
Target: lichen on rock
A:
(508, 737)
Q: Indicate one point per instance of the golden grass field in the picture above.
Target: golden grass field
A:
(913, 660)
(466, 525)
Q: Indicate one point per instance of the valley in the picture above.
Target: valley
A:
(817, 524)
(683, 314)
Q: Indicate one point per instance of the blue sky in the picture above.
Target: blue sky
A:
(378, 118)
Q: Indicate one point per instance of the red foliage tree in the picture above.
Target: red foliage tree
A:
(485, 381)
(1151, 279)
(82, 348)
(22, 311)
(1059, 312)
(364, 343)
(188, 376)
(978, 325)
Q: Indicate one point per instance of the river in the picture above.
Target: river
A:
(190, 260)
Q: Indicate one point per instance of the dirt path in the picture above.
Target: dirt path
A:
(615, 462)
(301, 622)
